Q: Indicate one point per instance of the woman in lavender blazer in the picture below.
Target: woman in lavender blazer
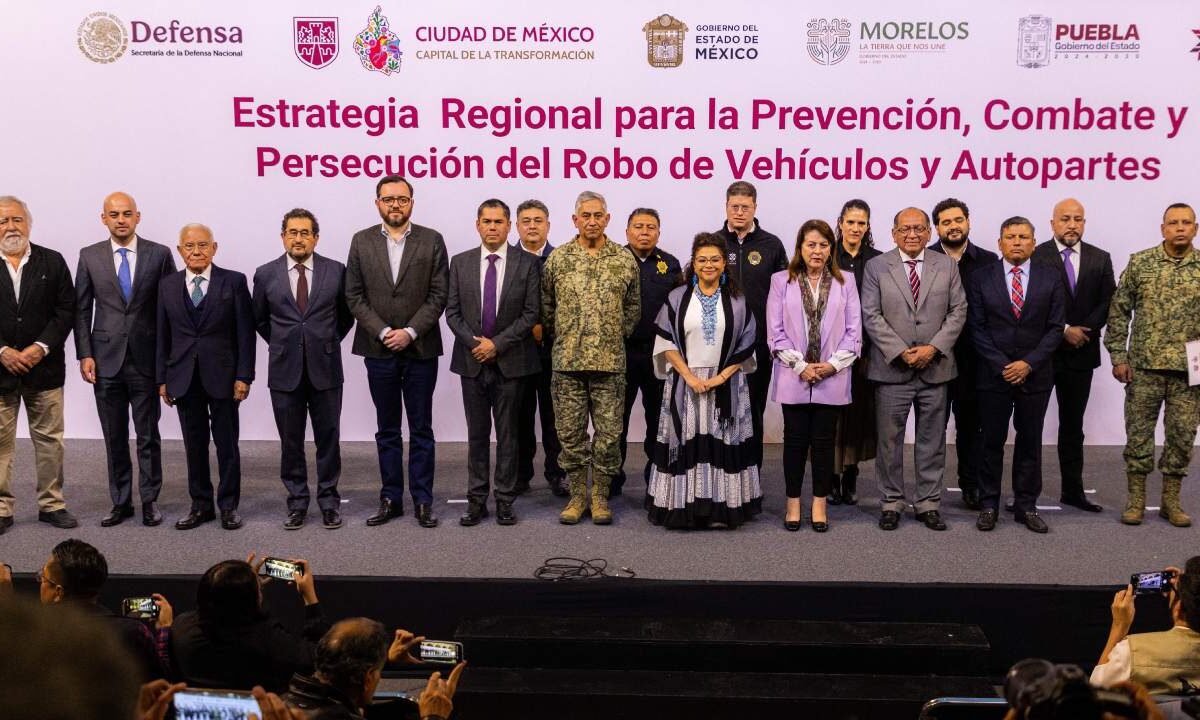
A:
(814, 330)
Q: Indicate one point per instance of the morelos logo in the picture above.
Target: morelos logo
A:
(316, 40)
(828, 40)
(664, 41)
(102, 37)
(377, 46)
(893, 30)
(1033, 41)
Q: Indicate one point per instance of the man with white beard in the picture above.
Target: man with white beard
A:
(37, 310)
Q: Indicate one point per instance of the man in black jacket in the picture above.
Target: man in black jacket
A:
(37, 310)
(754, 256)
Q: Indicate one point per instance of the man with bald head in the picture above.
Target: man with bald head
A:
(37, 307)
(1087, 275)
(205, 364)
(116, 300)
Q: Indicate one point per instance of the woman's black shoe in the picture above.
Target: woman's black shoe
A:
(820, 526)
(850, 486)
(791, 525)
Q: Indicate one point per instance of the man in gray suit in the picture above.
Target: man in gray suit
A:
(300, 310)
(914, 308)
(397, 278)
(116, 301)
(495, 300)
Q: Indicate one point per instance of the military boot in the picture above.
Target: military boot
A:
(1135, 506)
(601, 515)
(1170, 508)
(578, 505)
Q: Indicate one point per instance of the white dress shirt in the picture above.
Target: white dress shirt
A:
(15, 274)
(1078, 248)
(1026, 271)
(132, 255)
(190, 281)
(294, 274)
(483, 266)
(920, 258)
(395, 249)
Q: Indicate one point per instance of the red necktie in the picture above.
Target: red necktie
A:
(914, 280)
(301, 289)
(1018, 292)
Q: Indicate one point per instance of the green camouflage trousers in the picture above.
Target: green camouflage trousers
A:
(1144, 397)
(577, 396)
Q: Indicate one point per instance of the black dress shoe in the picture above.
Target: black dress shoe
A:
(932, 519)
(504, 514)
(295, 520)
(850, 486)
(1034, 522)
(819, 526)
(117, 515)
(1082, 503)
(616, 489)
(835, 491)
(60, 519)
(230, 520)
(970, 498)
(194, 519)
(791, 525)
(425, 516)
(889, 520)
(151, 516)
(986, 521)
(388, 509)
(558, 487)
(475, 513)
(331, 519)
(6, 523)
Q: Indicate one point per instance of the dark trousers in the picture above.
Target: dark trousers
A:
(639, 377)
(292, 410)
(397, 384)
(968, 434)
(115, 397)
(535, 400)
(199, 415)
(1072, 388)
(808, 427)
(1028, 413)
(486, 397)
(759, 383)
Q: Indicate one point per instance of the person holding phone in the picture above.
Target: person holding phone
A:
(1166, 661)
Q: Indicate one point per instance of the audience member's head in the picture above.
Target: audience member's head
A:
(62, 664)
(74, 571)
(1185, 600)
(229, 595)
(350, 658)
(1037, 688)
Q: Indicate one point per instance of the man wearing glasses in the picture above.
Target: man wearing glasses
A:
(397, 282)
(913, 308)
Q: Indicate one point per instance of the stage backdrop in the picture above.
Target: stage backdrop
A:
(231, 113)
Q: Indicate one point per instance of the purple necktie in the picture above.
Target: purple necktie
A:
(489, 297)
(1066, 255)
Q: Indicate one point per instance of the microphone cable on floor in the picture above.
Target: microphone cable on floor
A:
(568, 568)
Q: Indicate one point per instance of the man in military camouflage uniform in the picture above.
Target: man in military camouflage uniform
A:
(1160, 288)
(590, 304)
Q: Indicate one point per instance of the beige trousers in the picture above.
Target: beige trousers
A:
(44, 410)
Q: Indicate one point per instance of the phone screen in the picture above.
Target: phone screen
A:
(1149, 583)
(280, 569)
(440, 651)
(143, 607)
(214, 705)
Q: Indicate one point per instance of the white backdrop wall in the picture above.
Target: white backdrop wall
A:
(92, 107)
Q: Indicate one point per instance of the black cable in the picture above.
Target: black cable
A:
(568, 568)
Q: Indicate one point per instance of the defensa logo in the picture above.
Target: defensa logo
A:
(828, 40)
(316, 40)
(377, 46)
(664, 41)
(102, 37)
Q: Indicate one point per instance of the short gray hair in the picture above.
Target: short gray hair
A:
(196, 226)
(18, 201)
(588, 196)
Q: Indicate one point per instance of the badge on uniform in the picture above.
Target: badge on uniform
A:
(662, 267)
(755, 257)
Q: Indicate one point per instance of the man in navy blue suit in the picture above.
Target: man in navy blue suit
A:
(205, 367)
(1016, 312)
(301, 311)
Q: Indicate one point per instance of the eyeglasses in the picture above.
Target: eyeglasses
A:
(707, 260)
(911, 230)
(741, 208)
(294, 233)
(40, 576)
(396, 200)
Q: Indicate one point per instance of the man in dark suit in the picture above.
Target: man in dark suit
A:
(495, 300)
(205, 367)
(397, 279)
(660, 273)
(1016, 310)
(116, 299)
(1087, 274)
(37, 308)
(952, 220)
(300, 307)
(533, 227)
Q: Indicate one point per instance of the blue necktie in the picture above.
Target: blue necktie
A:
(123, 278)
(197, 294)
